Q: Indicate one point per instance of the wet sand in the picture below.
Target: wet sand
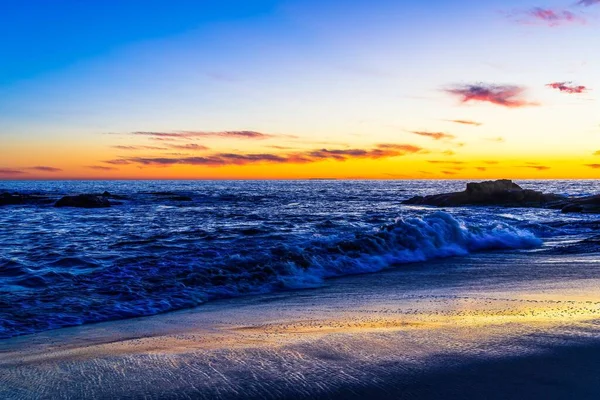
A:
(495, 325)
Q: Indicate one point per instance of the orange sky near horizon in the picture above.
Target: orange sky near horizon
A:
(304, 90)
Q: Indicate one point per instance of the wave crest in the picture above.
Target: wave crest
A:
(410, 240)
(182, 277)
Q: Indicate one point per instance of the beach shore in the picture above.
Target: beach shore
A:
(496, 325)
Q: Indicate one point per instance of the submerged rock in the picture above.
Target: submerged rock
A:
(83, 201)
(491, 193)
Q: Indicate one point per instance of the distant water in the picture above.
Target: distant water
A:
(157, 253)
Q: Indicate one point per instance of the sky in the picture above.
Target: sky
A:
(298, 89)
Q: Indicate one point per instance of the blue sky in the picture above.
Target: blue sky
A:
(349, 73)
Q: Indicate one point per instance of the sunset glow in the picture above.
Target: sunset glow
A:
(300, 89)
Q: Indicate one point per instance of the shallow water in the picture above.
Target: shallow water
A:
(157, 253)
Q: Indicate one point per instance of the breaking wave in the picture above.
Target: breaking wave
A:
(158, 273)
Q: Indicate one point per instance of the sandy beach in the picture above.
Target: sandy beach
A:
(299, 199)
(435, 330)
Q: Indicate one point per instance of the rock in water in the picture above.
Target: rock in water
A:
(8, 199)
(589, 204)
(83, 201)
(22, 199)
(501, 185)
(491, 193)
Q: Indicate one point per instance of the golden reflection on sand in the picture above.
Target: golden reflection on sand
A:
(472, 317)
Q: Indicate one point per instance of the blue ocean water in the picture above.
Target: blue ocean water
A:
(158, 252)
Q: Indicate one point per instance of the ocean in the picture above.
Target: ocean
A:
(173, 245)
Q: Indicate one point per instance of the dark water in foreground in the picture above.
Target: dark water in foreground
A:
(157, 253)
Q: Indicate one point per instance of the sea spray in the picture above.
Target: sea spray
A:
(177, 277)
(410, 240)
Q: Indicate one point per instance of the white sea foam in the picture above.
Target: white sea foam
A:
(410, 240)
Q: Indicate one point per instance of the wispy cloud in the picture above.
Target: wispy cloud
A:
(205, 134)
(403, 148)
(568, 87)
(118, 161)
(588, 3)
(222, 159)
(38, 168)
(594, 166)
(510, 96)
(434, 135)
(11, 171)
(550, 17)
(43, 168)
(163, 139)
(446, 162)
(465, 122)
(498, 139)
(101, 168)
(134, 148)
(189, 146)
(536, 167)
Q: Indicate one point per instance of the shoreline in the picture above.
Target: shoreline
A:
(403, 329)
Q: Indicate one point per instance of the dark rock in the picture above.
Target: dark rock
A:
(180, 198)
(590, 204)
(572, 208)
(83, 201)
(161, 193)
(109, 195)
(8, 199)
(16, 199)
(491, 193)
(501, 185)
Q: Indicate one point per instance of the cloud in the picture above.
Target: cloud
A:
(223, 159)
(597, 153)
(163, 139)
(40, 168)
(449, 172)
(594, 166)
(434, 135)
(132, 148)
(509, 96)
(189, 146)
(119, 161)
(205, 134)
(10, 171)
(568, 87)
(407, 148)
(551, 17)
(446, 162)
(43, 168)
(498, 139)
(281, 147)
(215, 160)
(101, 168)
(448, 153)
(536, 167)
(465, 122)
(481, 169)
(588, 3)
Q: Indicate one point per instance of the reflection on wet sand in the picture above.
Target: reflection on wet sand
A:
(361, 336)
